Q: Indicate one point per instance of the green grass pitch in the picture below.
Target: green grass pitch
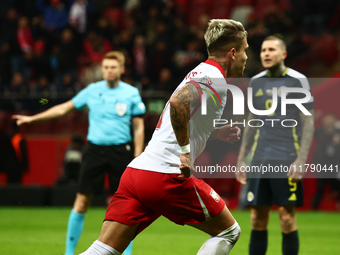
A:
(41, 231)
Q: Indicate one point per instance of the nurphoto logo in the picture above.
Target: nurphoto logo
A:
(302, 96)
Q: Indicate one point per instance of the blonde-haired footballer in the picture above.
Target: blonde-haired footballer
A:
(158, 182)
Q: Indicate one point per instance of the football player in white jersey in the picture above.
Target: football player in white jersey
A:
(158, 182)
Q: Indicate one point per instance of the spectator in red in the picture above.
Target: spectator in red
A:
(24, 35)
(96, 47)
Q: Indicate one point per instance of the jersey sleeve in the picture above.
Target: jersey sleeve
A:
(80, 100)
(138, 107)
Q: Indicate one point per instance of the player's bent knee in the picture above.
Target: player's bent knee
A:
(231, 234)
(222, 243)
(287, 220)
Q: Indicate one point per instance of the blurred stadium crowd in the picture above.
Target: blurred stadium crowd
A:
(53, 48)
(56, 46)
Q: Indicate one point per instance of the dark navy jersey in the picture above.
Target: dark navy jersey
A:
(273, 141)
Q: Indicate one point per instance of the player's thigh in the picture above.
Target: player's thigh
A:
(201, 207)
(217, 224)
(125, 206)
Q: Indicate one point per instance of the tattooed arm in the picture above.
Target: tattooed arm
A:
(180, 104)
(247, 142)
(306, 141)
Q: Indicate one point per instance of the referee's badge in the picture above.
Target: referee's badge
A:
(250, 196)
(121, 109)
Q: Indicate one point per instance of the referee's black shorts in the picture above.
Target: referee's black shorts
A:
(266, 190)
(98, 160)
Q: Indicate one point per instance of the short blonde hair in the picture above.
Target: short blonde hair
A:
(278, 39)
(224, 34)
(117, 55)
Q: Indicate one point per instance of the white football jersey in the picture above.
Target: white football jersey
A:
(163, 152)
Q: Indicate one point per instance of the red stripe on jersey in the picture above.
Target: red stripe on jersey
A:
(215, 64)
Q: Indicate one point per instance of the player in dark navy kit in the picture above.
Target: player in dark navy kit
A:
(283, 145)
(113, 106)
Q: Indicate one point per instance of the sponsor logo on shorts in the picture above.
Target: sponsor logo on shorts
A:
(214, 195)
(250, 196)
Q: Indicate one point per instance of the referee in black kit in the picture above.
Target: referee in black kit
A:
(276, 146)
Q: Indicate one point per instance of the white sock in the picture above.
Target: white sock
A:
(222, 243)
(99, 248)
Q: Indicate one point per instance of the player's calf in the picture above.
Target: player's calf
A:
(222, 243)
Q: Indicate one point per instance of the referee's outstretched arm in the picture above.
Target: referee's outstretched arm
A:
(52, 113)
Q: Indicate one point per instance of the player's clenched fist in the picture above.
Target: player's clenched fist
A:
(185, 165)
(229, 133)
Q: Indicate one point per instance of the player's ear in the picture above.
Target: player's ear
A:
(231, 53)
(284, 54)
